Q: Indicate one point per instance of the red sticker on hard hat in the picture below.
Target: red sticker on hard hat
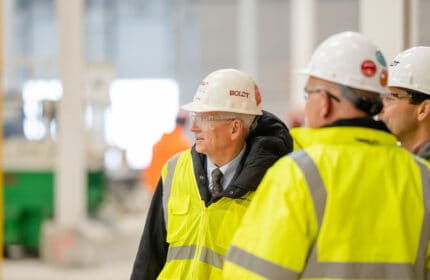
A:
(257, 95)
(383, 78)
(368, 68)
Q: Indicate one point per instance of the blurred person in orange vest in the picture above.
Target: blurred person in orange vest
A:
(169, 144)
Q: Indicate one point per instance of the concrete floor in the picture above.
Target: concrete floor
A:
(114, 263)
(115, 260)
(35, 269)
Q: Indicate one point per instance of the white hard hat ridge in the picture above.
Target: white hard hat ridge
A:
(350, 59)
(227, 90)
(411, 70)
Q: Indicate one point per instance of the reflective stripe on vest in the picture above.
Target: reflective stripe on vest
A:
(258, 265)
(167, 185)
(315, 269)
(187, 253)
(314, 182)
(210, 257)
(181, 253)
(425, 231)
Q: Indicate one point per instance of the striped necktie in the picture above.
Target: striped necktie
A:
(216, 181)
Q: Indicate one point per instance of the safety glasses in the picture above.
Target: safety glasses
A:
(307, 91)
(204, 120)
(393, 96)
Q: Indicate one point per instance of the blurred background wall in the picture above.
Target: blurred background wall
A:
(182, 40)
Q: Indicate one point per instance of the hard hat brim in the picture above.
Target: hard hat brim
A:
(202, 108)
(304, 71)
(353, 84)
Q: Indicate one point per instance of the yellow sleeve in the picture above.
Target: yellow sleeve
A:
(277, 230)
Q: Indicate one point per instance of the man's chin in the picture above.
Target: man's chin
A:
(199, 149)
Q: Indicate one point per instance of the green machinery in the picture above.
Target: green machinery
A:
(29, 200)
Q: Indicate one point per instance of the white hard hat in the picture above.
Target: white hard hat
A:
(227, 90)
(411, 70)
(350, 59)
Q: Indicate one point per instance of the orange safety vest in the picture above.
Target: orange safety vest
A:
(169, 145)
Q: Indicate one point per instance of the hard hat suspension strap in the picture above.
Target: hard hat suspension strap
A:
(367, 105)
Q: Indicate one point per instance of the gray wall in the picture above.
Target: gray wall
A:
(181, 39)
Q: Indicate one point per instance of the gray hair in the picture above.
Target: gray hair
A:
(248, 120)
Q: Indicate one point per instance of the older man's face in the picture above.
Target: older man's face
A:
(212, 132)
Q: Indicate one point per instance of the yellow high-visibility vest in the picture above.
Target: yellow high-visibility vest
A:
(198, 236)
(350, 205)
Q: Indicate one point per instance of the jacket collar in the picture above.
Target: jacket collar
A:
(348, 131)
(361, 122)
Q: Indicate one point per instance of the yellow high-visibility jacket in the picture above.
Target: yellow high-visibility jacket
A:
(350, 205)
(198, 236)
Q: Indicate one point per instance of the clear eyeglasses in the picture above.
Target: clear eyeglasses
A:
(307, 91)
(204, 120)
(392, 96)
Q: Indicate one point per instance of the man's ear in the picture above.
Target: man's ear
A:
(424, 110)
(325, 105)
(236, 128)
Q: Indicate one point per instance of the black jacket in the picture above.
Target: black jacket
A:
(266, 143)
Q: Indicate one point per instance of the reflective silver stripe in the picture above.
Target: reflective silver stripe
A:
(355, 270)
(258, 265)
(211, 257)
(167, 185)
(188, 252)
(420, 262)
(181, 253)
(314, 181)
